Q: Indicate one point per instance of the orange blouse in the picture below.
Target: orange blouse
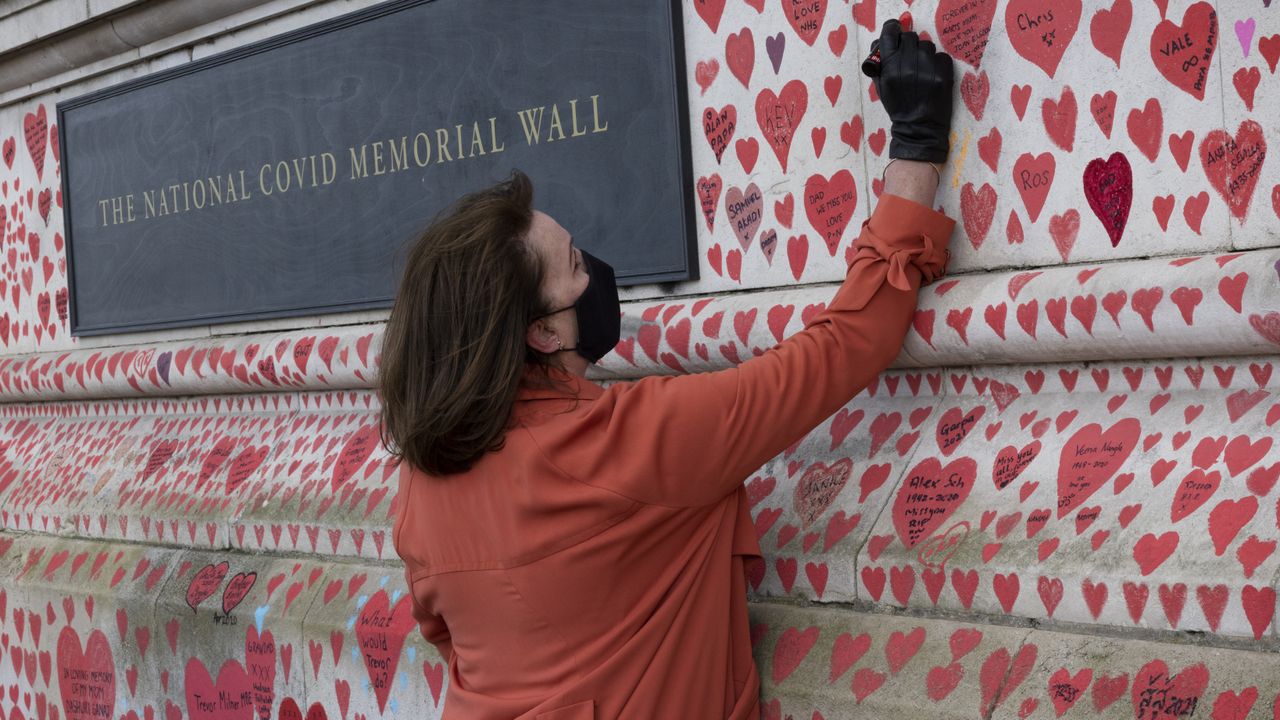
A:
(593, 567)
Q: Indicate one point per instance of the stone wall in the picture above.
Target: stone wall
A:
(1061, 500)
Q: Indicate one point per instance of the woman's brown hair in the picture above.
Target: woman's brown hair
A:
(453, 350)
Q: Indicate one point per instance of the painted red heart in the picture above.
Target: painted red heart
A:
(1033, 176)
(974, 89)
(237, 589)
(1011, 461)
(357, 450)
(745, 210)
(1193, 210)
(829, 205)
(748, 150)
(260, 664)
(784, 209)
(1233, 164)
(1151, 551)
(791, 649)
(1060, 119)
(708, 189)
(710, 11)
(989, 149)
(1065, 689)
(1269, 47)
(1063, 229)
(1146, 127)
(1180, 146)
(1183, 53)
(1041, 30)
(205, 583)
(718, 126)
(1246, 82)
(1196, 489)
(740, 55)
(1089, 459)
(1103, 108)
(230, 698)
(954, 426)
(1108, 186)
(901, 647)
(846, 651)
(976, 212)
(380, 632)
(780, 114)
(929, 495)
(818, 488)
(249, 460)
(705, 73)
(86, 678)
(1020, 95)
(35, 129)
(805, 17)
(1109, 28)
(1157, 694)
(964, 27)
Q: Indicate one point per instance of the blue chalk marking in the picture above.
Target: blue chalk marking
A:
(360, 601)
(258, 616)
(404, 682)
(413, 651)
(396, 596)
(383, 581)
(351, 622)
(393, 705)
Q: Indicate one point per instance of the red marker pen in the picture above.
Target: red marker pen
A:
(871, 65)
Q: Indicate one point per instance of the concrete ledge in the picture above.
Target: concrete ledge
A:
(1206, 306)
(954, 489)
(60, 36)
(961, 491)
(202, 634)
(146, 630)
(1198, 306)
(839, 664)
(290, 473)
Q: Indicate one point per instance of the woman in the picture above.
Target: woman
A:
(576, 552)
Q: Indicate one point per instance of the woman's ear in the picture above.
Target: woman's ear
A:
(542, 337)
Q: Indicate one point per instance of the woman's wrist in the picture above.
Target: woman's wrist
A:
(914, 180)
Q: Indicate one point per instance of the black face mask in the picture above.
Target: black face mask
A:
(599, 312)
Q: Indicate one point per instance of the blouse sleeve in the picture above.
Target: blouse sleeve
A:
(431, 625)
(689, 440)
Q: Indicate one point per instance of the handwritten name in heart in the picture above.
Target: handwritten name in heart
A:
(719, 127)
(1041, 30)
(829, 204)
(1234, 164)
(381, 632)
(929, 495)
(964, 27)
(818, 488)
(86, 678)
(1183, 53)
(1089, 459)
(779, 114)
(1108, 186)
(745, 209)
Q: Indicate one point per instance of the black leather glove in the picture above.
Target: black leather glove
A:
(915, 84)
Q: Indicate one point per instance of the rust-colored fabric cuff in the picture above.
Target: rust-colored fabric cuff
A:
(905, 232)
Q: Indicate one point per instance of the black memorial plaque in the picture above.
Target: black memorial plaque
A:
(287, 177)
